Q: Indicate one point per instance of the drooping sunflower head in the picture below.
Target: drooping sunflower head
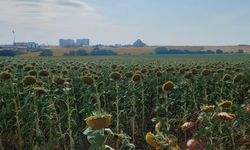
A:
(29, 80)
(64, 72)
(225, 104)
(44, 73)
(150, 139)
(58, 80)
(188, 125)
(39, 91)
(224, 116)
(129, 74)
(188, 75)
(5, 76)
(207, 108)
(239, 77)
(32, 73)
(168, 86)
(115, 75)
(194, 71)
(28, 67)
(193, 144)
(99, 120)
(206, 72)
(87, 80)
(136, 77)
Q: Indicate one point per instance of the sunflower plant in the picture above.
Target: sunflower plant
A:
(97, 133)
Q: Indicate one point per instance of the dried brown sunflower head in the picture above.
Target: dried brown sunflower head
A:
(5, 76)
(115, 75)
(29, 80)
(168, 86)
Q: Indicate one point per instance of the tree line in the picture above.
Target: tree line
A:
(165, 50)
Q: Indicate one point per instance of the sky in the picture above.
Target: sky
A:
(156, 22)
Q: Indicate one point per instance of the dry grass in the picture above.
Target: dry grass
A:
(60, 51)
(144, 50)
(30, 54)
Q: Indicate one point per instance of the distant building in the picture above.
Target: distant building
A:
(20, 44)
(32, 45)
(138, 43)
(26, 45)
(66, 43)
(82, 42)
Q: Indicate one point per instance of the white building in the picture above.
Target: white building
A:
(82, 42)
(32, 45)
(27, 45)
(66, 43)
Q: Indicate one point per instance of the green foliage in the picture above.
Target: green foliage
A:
(55, 118)
(46, 52)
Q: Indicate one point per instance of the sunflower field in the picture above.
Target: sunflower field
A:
(122, 103)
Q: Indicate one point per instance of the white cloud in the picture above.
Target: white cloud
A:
(48, 20)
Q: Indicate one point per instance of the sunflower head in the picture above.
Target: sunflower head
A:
(44, 73)
(192, 144)
(5, 76)
(99, 120)
(239, 77)
(188, 75)
(29, 80)
(206, 72)
(129, 74)
(58, 80)
(32, 73)
(28, 68)
(115, 75)
(87, 80)
(188, 125)
(39, 91)
(224, 116)
(168, 86)
(225, 104)
(136, 77)
(194, 71)
(150, 139)
(207, 108)
(64, 72)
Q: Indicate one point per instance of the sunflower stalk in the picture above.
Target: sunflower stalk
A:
(69, 111)
(20, 138)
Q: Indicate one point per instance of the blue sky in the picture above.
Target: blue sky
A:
(157, 22)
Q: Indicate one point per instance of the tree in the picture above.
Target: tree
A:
(102, 52)
(210, 52)
(81, 52)
(7, 53)
(161, 50)
(219, 51)
(46, 52)
(240, 51)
